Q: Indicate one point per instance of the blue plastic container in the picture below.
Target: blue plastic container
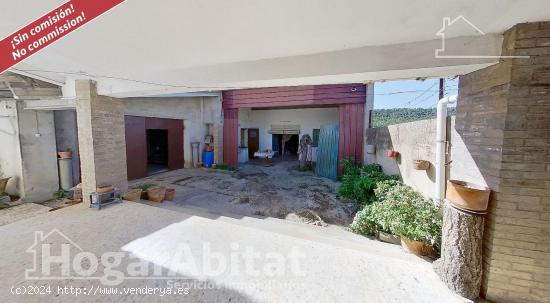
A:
(207, 158)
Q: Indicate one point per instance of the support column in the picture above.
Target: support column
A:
(101, 139)
(503, 117)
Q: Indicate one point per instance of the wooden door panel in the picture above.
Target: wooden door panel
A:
(253, 141)
(136, 147)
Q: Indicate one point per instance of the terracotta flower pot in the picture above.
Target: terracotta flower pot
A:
(468, 196)
(104, 189)
(133, 195)
(414, 247)
(388, 238)
(169, 194)
(64, 154)
(421, 164)
(392, 153)
(156, 194)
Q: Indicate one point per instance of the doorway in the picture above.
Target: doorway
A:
(157, 150)
(253, 142)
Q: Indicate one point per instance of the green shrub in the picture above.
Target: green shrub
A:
(225, 167)
(60, 195)
(359, 182)
(145, 186)
(363, 222)
(400, 210)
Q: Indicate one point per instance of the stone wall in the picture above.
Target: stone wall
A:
(503, 117)
(101, 138)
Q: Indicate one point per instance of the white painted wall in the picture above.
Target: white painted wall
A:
(39, 154)
(10, 154)
(307, 118)
(186, 108)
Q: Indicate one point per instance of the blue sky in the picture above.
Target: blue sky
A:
(411, 93)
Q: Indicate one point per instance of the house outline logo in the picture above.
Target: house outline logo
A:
(448, 22)
(40, 238)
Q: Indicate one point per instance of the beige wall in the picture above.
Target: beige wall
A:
(198, 114)
(416, 140)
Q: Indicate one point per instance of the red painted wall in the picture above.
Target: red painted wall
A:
(351, 117)
(136, 143)
(230, 136)
(308, 95)
(350, 99)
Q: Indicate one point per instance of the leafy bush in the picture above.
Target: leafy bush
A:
(359, 182)
(402, 211)
(225, 167)
(364, 222)
(145, 186)
(60, 195)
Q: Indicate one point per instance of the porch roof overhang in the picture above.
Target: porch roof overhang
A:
(134, 49)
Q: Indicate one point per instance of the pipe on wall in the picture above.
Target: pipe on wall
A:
(441, 145)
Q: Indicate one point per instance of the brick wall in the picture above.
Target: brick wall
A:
(101, 139)
(503, 116)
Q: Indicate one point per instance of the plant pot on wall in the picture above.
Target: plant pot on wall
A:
(421, 164)
(468, 196)
(392, 153)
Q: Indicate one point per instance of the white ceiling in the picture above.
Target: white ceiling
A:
(145, 40)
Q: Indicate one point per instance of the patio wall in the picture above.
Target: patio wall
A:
(416, 140)
(186, 108)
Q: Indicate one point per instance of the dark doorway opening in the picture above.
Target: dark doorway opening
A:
(291, 145)
(157, 151)
(253, 142)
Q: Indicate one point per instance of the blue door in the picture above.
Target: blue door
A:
(327, 151)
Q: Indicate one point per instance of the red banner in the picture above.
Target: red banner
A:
(49, 28)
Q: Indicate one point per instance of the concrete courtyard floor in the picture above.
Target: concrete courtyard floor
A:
(256, 190)
(334, 265)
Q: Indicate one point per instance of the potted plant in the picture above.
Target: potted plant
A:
(156, 193)
(406, 213)
(133, 194)
(421, 164)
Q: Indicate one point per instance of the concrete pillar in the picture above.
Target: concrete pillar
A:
(101, 139)
(503, 117)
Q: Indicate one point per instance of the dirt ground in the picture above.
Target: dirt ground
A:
(257, 190)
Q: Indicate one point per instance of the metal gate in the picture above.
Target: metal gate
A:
(327, 151)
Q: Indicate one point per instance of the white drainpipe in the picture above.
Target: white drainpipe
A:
(440, 146)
